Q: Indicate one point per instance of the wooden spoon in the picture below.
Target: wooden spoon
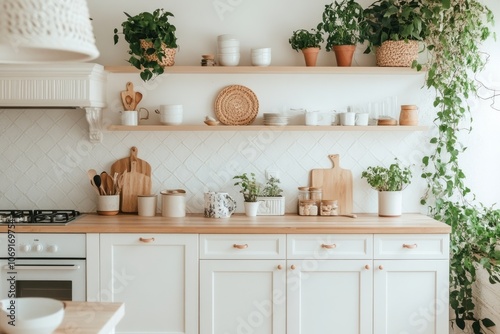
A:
(104, 182)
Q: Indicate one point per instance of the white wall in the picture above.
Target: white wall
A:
(65, 153)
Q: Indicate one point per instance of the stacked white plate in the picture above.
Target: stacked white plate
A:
(275, 119)
(228, 50)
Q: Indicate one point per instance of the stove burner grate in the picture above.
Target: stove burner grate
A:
(38, 216)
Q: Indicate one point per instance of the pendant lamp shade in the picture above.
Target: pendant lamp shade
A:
(38, 31)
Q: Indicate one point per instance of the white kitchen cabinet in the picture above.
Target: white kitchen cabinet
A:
(329, 296)
(156, 276)
(329, 285)
(242, 284)
(410, 282)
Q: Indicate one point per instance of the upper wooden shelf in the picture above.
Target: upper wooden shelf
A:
(264, 128)
(372, 70)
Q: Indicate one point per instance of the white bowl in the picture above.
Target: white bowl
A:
(261, 51)
(230, 49)
(226, 37)
(230, 43)
(261, 60)
(32, 315)
(229, 59)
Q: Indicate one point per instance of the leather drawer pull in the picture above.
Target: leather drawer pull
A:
(410, 246)
(240, 246)
(146, 240)
(331, 246)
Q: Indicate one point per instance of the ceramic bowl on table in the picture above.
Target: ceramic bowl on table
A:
(31, 315)
(261, 57)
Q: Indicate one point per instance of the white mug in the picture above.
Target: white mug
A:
(131, 117)
(318, 118)
(347, 118)
(219, 205)
(362, 118)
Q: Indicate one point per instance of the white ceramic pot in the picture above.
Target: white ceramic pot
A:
(251, 208)
(173, 203)
(390, 203)
(108, 205)
(271, 206)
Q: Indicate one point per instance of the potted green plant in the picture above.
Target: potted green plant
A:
(152, 41)
(250, 190)
(272, 202)
(394, 27)
(389, 182)
(309, 42)
(342, 24)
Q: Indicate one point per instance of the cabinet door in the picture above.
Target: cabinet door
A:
(411, 296)
(329, 296)
(242, 296)
(157, 278)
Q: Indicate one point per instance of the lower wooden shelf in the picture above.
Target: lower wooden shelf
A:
(264, 128)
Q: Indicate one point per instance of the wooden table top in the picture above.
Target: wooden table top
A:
(239, 223)
(90, 317)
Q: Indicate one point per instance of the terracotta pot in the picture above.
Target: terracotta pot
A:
(310, 56)
(344, 54)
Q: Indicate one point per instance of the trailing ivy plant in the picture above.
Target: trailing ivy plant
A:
(456, 29)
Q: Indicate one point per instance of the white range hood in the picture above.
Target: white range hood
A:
(57, 85)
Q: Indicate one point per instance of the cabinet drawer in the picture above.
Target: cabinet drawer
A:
(242, 246)
(330, 246)
(411, 246)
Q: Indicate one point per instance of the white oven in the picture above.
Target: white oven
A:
(43, 265)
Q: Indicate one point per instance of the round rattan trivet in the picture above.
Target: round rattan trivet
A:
(236, 105)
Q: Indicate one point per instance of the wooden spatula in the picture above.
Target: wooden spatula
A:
(129, 97)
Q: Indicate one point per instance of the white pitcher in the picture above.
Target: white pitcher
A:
(219, 205)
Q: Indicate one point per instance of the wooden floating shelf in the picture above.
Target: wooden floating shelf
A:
(365, 70)
(264, 128)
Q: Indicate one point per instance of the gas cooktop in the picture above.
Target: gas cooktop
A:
(38, 217)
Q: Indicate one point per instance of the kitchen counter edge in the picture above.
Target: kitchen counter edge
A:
(239, 223)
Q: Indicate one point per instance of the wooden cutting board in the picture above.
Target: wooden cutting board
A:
(336, 184)
(134, 183)
(124, 164)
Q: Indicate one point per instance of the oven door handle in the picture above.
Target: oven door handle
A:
(48, 267)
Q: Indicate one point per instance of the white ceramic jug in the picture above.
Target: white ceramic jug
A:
(219, 205)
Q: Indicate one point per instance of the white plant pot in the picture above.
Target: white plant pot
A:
(251, 208)
(390, 203)
(271, 206)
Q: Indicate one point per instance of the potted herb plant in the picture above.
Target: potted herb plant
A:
(272, 202)
(394, 27)
(342, 23)
(389, 182)
(152, 41)
(250, 190)
(309, 42)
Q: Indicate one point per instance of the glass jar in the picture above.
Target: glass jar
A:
(303, 195)
(308, 207)
(316, 194)
(328, 208)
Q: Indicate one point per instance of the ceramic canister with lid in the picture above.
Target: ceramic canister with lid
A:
(173, 203)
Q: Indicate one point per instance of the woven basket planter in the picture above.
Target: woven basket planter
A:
(397, 53)
(168, 59)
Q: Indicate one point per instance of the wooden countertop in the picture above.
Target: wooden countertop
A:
(90, 317)
(239, 223)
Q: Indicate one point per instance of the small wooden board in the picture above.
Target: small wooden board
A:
(336, 183)
(134, 184)
(124, 164)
